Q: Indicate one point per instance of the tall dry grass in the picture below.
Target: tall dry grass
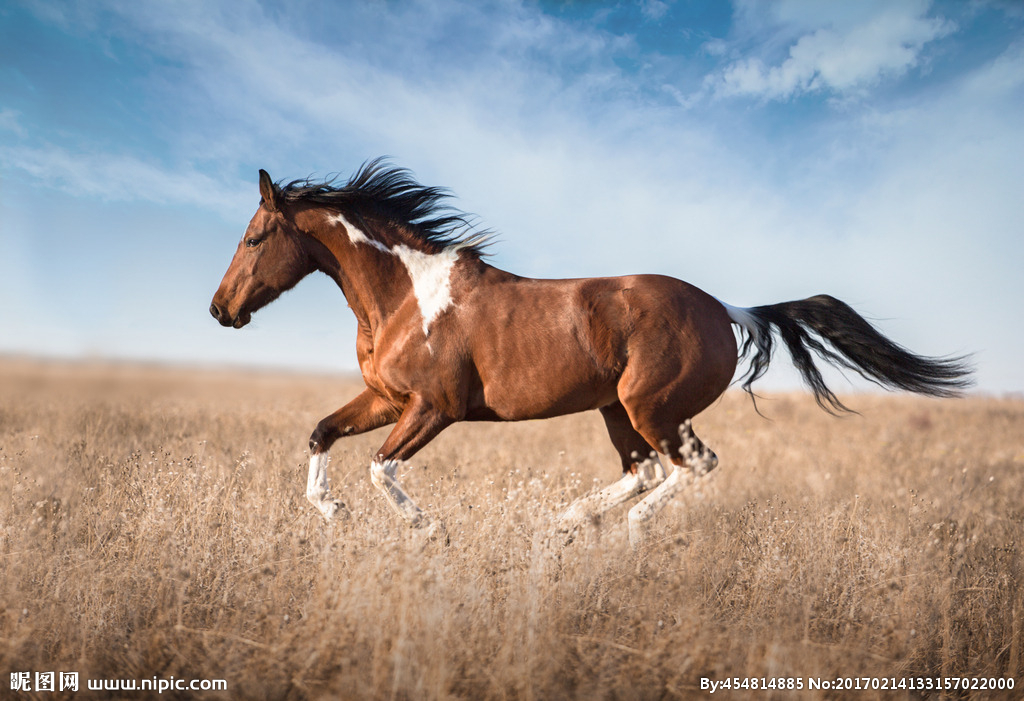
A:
(153, 524)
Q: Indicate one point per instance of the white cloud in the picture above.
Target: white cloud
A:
(1004, 77)
(654, 10)
(845, 55)
(117, 178)
(10, 121)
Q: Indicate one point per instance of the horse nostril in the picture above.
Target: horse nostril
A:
(215, 311)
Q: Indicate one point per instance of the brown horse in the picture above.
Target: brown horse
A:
(445, 337)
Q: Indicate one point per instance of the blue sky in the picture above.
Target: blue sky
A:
(763, 150)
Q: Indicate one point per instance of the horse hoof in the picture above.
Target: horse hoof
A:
(433, 530)
(332, 508)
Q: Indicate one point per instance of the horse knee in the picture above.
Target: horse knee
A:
(323, 436)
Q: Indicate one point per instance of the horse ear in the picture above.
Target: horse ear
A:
(268, 191)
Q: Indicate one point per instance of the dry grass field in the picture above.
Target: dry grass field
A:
(153, 525)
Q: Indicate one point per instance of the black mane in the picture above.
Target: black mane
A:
(391, 192)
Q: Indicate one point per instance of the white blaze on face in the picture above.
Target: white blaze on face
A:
(431, 279)
(430, 272)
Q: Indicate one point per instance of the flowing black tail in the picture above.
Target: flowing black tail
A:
(843, 338)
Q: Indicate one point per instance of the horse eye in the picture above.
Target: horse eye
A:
(253, 242)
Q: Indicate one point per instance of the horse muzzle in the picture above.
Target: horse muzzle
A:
(225, 319)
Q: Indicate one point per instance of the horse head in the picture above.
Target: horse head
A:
(271, 258)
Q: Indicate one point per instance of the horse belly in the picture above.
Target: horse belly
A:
(541, 392)
(543, 357)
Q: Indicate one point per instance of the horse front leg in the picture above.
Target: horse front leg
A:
(364, 413)
(419, 423)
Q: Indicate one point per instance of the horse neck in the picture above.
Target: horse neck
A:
(372, 279)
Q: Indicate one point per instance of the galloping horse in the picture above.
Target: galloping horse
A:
(445, 337)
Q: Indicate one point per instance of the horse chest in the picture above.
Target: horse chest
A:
(400, 360)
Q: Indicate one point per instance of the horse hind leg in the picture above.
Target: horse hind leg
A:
(639, 474)
(697, 457)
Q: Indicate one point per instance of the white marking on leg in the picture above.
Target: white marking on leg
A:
(654, 502)
(384, 477)
(431, 279)
(654, 469)
(699, 464)
(597, 503)
(355, 234)
(317, 491)
(648, 474)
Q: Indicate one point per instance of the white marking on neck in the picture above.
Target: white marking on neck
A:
(431, 279)
(430, 272)
(355, 234)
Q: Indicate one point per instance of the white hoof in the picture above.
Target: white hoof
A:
(330, 508)
(431, 530)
